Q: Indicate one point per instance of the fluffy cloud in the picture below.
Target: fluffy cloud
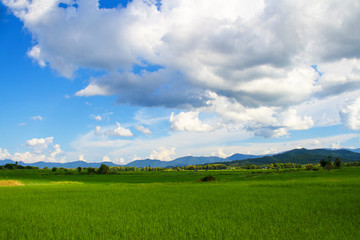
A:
(162, 153)
(254, 55)
(143, 129)
(264, 121)
(350, 114)
(42, 149)
(117, 131)
(4, 154)
(219, 153)
(39, 144)
(188, 122)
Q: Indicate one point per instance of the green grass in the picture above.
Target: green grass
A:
(243, 204)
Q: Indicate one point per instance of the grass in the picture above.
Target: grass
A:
(243, 204)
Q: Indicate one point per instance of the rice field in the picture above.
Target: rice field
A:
(244, 204)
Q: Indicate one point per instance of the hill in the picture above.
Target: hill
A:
(301, 156)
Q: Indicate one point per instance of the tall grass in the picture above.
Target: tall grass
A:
(173, 205)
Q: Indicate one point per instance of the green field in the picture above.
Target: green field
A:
(241, 204)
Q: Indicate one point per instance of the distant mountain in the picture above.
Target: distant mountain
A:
(238, 156)
(357, 150)
(183, 161)
(301, 156)
(146, 163)
(189, 160)
(59, 165)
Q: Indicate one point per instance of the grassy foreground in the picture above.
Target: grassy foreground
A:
(37, 204)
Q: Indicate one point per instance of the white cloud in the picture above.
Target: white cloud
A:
(42, 149)
(29, 157)
(96, 117)
(40, 118)
(188, 121)
(162, 153)
(93, 90)
(39, 144)
(219, 153)
(143, 129)
(350, 114)
(119, 131)
(4, 154)
(254, 57)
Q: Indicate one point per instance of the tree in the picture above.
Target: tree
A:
(79, 169)
(91, 170)
(323, 163)
(54, 169)
(337, 162)
(104, 169)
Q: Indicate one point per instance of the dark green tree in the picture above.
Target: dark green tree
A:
(79, 169)
(337, 162)
(323, 163)
(104, 169)
(54, 169)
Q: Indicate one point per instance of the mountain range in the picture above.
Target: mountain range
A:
(301, 156)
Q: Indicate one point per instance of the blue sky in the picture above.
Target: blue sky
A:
(120, 81)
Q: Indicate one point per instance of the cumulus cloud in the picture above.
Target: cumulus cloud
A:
(41, 149)
(162, 153)
(117, 131)
(219, 153)
(143, 129)
(264, 121)
(4, 154)
(188, 121)
(255, 55)
(39, 144)
(350, 114)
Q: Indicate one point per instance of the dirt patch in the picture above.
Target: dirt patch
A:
(66, 182)
(10, 183)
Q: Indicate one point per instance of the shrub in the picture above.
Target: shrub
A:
(309, 166)
(91, 170)
(208, 179)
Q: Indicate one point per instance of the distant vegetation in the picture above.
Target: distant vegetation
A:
(328, 163)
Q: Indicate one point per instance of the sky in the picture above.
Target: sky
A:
(127, 80)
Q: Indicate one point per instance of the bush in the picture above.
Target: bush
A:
(54, 169)
(309, 166)
(208, 179)
(91, 170)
